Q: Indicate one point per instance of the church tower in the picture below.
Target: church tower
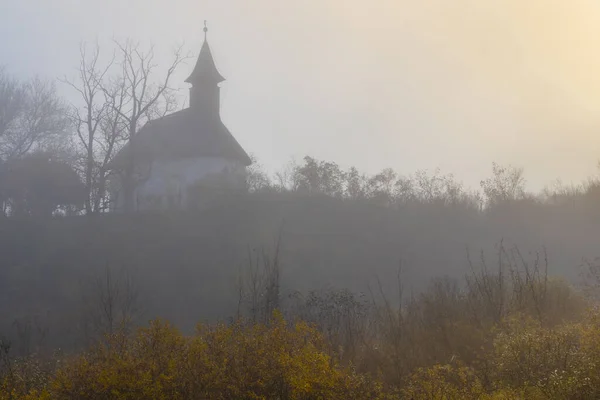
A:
(205, 79)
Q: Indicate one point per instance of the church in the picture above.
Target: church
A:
(179, 153)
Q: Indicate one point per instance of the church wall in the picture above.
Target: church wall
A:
(169, 180)
(164, 184)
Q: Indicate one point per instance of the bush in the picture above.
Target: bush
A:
(444, 382)
(222, 362)
(562, 362)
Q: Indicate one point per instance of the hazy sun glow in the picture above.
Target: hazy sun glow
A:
(521, 77)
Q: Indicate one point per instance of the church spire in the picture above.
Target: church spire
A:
(205, 70)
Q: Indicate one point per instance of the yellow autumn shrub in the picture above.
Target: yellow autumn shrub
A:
(222, 362)
(528, 360)
(443, 382)
(560, 362)
(24, 378)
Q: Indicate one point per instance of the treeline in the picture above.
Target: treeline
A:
(505, 188)
(504, 332)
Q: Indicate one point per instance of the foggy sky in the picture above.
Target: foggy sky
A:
(386, 83)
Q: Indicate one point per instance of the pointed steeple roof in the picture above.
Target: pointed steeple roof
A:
(205, 69)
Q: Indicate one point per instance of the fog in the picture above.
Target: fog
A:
(386, 136)
(400, 84)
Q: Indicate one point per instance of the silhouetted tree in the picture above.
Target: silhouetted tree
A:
(506, 184)
(37, 185)
(381, 186)
(97, 123)
(356, 184)
(32, 116)
(320, 177)
(137, 96)
(256, 178)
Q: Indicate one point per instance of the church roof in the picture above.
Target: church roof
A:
(183, 134)
(196, 131)
(205, 69)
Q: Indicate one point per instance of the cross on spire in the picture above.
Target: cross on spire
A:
(205, 69)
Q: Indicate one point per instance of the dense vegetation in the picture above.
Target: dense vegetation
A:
(504, 333)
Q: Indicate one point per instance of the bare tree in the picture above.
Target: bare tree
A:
(507, 184)
(286, 179)
(117, 98)
(112, 138)
(256, 178)
(110, 305)
(95, 123)
(260, 290)
(32, 116)
(136, 98)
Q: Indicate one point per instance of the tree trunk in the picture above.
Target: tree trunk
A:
(88, 176)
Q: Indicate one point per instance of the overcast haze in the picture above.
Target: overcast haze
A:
(403, 84)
